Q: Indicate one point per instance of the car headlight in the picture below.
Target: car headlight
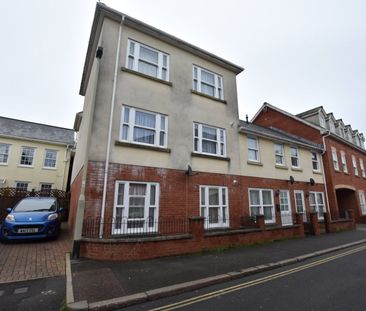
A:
(52, 217)
(10, 217)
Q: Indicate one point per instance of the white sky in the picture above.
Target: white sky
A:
(297, 54)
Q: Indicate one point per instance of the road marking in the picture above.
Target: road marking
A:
(265, 279)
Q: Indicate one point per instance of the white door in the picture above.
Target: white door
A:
(286, 217)
(300, 204)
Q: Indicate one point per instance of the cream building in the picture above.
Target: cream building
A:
(34, 156)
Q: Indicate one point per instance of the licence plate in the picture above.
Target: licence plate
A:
(27, 230)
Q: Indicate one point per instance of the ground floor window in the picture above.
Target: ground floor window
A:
(22, 185)
(45, 187)
(300, 204)
(214, 206)
(362, 202)
(316, 201)
(261, 203)
(135, 208)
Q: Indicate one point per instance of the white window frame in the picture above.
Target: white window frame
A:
(223, 207)
(303, 212)
(5, 154)
(218, 85)
(322, 120)
(315, 207)
(146, 228)
(261, 205)
(45, 158)
(296, 156)
(335, 159)
(32, 157)
(17, 183)
(362, 166)
(256, 149)
(285, 194)
(135, 59)
(130, 123)
(354, 164)
(344, 162)
(198, 140)
(315, 160)
(331, 126)
(362, 202)
(280, 155)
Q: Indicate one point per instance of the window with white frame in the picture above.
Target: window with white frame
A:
(46, 187)
(321, 120)
(279, 154)
(261, 203)
(207, 82)
(300, 203)
(316, 202)
(335, 159)
(362, 202)
(27, 156)
(253, 149)
(214, 206)
(315, 161)
(147, 60)
(50, 158)
(331, 126)
(21, 185)
(362, 166)
(4, 153)
(209, 140)
(354, 164)
(144, 127)
(341, 131)
(344, 162)
(136, 207)
(349, 135)
(295, 161)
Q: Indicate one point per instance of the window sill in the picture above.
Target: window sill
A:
(282, 167)
(209, 97)
(26, 166)
(131, 145)
(296, 169)
(346, 173)
(124, 69)
(3, 164)
(209, 156)
(254, 163)
(49, 168)
(317, 172)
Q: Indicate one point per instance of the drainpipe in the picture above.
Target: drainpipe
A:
(106, 166)
(324, 178)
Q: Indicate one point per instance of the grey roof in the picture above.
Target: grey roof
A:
(35, 131)
(277, 134)
(309, 112)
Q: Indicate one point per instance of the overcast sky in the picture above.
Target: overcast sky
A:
(297, 54)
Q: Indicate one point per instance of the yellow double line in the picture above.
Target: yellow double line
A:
(271, 277)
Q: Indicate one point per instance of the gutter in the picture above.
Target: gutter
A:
(106, 167)
(324, 178)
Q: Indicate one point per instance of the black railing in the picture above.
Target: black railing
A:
(121, 226)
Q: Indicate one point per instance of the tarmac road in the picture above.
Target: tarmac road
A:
(333, 282)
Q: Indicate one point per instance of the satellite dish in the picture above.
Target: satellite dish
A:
(312, 182)
(292, 180)
(189, 171)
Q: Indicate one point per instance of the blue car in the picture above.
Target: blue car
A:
(32, 218)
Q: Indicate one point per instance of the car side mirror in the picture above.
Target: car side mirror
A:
(8, 210)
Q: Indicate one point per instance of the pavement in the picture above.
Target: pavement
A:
(106, 285)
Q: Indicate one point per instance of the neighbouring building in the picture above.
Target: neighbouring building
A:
(163, 164)
(344, 157)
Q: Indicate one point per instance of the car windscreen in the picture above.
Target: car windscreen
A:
(42, 205)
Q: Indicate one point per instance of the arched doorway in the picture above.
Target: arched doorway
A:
(346, 199)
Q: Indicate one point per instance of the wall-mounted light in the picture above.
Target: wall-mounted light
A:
(99, 52)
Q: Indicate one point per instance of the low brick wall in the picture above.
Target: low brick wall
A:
(196, 241)
(340, 224)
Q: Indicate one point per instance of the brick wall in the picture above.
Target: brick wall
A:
(74, 198)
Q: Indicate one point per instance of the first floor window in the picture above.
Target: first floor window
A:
(136, 207)
(354, 164)
(362, 202)
(46, 187)
(214, 206)
(209, 140)
(144, 127)
(261, 203)
(362, 166)
(4, 153)
(22, 185)
(50, 158)
(316, 202)
(27, 156)
(344, 162)
(147, 60)
(279, 154)
(300, 204)
(315, 161)
(295, 157)
(207, 82)
(253, 149)
(335, 159)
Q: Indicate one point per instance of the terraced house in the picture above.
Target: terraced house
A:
(163, 164)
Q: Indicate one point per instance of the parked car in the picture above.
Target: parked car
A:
(32, 218)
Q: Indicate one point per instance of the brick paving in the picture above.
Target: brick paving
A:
(28, 260)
